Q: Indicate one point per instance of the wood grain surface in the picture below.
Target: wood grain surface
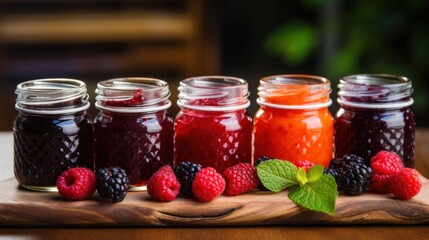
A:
(20, 207)
(298, 232)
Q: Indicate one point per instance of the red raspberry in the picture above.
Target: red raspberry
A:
(163, 184)
(384, 165)
(381, 183)
(240, 178)
(382, 155)
(304, 164)
(208, 185)
(405, 184)
(76, 183)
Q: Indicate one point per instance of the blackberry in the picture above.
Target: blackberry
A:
(112, 183)
(257, 162)
(333, 172)
(335, 163)
(185, 173)
(353, 158)
(354, 178)
(337, 166)
(339, 163)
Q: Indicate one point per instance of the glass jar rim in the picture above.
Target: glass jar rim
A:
(377, 79)
(214, 82)
(155, 93)
(315, 89)
(65, 87)
(78, 83)
(52, 96)
(375, 91)
(213, 93)
(295, 79)
(132, 83)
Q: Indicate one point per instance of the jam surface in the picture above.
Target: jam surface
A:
(45, 146)
(365, 132)
(140, 143)
(294, 135)
(213, 139)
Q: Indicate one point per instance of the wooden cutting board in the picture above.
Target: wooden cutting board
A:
(26, 208)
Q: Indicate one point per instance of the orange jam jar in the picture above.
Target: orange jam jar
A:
(293, 122)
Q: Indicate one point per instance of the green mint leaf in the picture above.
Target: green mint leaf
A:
(318, 196)
(314, 173)
(301, 176)
(277, 175)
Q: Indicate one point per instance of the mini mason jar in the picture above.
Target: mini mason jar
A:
(52, 132)
(133, 129)
(375, 115)
(293, 122)
(213, 127)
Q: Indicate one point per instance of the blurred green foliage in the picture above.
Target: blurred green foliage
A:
(294, 41)
(360, 36)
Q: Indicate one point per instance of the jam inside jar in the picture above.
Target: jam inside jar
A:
(133, 129)
(213, 127)
(375, 115)
(293, 122)
(52, 132)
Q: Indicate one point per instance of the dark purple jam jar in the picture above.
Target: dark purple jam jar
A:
(52, 132)
(133, 129)
(375, 115)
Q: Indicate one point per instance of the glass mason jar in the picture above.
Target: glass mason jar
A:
(375, 115)
(293, 122)
(213, 127)
(133, 129)
(52, 131)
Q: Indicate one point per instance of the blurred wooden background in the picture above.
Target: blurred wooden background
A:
(96, 40)
(93, 40)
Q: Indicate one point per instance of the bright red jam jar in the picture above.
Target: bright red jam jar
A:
(375, 115)
(213, 127)
(293, 122)
(133, 129)
(52, 133)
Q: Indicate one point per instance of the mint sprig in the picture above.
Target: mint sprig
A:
(313, 190)
(277, 175)
(315, 173)
(317, 196)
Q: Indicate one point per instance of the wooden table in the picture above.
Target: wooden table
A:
(270, 232)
